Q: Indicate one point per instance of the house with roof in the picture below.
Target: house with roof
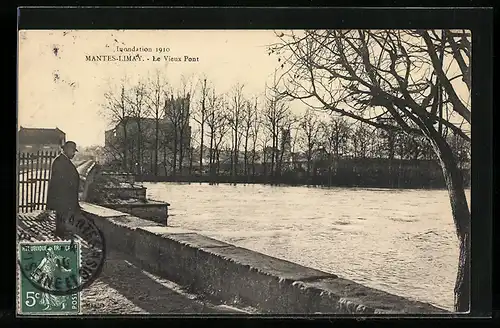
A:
(141, 146)
(32, 140)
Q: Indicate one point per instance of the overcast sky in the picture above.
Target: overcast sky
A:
(60, 88)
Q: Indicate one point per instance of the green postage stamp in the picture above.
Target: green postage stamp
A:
(48, 273)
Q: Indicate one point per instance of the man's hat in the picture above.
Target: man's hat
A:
(70, 144)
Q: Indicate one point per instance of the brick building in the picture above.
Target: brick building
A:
(31, 140)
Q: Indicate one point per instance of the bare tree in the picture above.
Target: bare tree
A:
(361, 138)
(254, 134)
(220, 143)
(248, 120)
(200, 117)
(118, 112)
(309, 136)
(155, 102)
(276, 116)
(184, 117)
(173, 115)
(137, 102)
(387, 143)
(114, 150)
(167, 142)
(177, 115)
(191, 153)
(216, 121)
(213, 125)
(335, 136)
(285, 142)
(399, 74)
(264, 138)
(236, 120)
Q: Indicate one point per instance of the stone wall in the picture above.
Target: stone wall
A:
(123, 192)
(237, 275)
(153, 212)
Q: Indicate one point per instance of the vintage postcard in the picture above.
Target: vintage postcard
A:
(244, 172)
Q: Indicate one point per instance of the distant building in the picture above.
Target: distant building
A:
(114, 143)
(131, 143)
(37, 139)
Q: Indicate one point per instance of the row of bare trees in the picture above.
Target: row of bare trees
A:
(231, 133)
(266, 131)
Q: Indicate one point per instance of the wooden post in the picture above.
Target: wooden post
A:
(37, 181)
(45, 166)
(22, 180)
(31, 186)
(51, 156)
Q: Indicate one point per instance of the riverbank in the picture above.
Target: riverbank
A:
(226, 182)
(401, 241)
(431, 185)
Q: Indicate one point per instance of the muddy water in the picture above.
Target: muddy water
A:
(399, 241)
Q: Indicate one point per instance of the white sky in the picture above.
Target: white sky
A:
(72, 102)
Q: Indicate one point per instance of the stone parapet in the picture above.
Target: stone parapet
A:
(237, 275)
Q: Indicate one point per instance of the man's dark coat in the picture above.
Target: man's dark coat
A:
(62, 193)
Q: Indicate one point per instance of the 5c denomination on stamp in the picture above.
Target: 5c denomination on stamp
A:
(49, 269)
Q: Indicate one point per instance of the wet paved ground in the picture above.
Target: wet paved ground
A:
(123, 288)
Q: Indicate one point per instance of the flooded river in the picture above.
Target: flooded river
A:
(399, 241)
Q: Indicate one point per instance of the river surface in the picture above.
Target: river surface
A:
(399, 241)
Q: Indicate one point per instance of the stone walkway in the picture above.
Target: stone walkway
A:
(123, 288)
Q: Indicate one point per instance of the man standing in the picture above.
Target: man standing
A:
(62, 193)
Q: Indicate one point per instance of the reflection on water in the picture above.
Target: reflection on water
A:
(399, 241)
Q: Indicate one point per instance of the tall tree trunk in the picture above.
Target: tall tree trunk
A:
(190, 170)
(461, 217)
(181, 154)
(218, 163)
(202, 126)
(309, 165)
(277, 159)
(273, 156)
(245, 159)
(201, 145)
(253, 161)
(174, 156)
(211, 159)
(236, 155)
(264, 161)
